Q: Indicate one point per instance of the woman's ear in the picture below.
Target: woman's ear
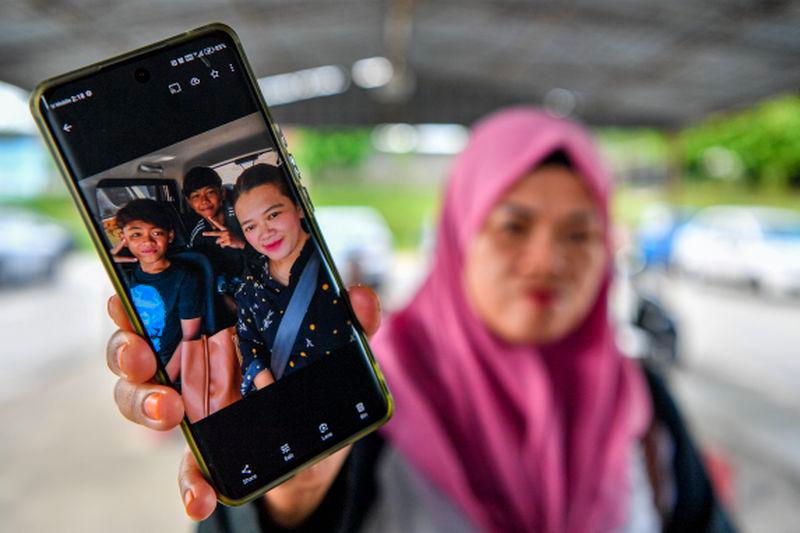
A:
(171, 235)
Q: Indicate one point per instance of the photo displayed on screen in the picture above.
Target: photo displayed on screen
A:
(219, 263)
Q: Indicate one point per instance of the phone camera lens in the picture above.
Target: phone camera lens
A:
(142, 75)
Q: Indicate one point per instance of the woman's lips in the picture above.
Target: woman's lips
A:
(271, 247)
(543, 297)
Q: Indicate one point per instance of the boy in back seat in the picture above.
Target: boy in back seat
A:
(217, 236)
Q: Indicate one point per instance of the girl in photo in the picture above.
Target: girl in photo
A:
(284, 284)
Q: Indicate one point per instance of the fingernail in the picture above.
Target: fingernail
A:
(188, 498)
(120, 360)
(151, 406)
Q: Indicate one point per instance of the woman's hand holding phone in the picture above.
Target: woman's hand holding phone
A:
(142, 400)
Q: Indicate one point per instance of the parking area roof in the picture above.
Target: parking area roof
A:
(621, 62)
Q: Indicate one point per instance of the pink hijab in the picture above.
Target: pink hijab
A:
(522, 438)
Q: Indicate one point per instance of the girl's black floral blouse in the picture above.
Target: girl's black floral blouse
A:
(261, 302)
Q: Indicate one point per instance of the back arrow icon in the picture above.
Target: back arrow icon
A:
(67, 128)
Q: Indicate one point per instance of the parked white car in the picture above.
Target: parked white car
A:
(759, 246)
(360, 242)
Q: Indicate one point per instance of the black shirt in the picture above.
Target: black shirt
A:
(261, 302)
(163, 300)
(227, 262)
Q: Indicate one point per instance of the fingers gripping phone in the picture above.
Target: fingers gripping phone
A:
(202, 222)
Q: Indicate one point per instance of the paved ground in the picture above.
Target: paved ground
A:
(760, 439)
(72, 464)
(738, 386)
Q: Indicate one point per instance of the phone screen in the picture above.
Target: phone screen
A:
(189, 189)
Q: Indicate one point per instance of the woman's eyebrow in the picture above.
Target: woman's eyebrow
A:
(582, 217)
(270, 208)
(264, 212)
(518, 209)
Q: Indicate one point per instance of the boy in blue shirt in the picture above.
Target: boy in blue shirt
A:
(167, 296)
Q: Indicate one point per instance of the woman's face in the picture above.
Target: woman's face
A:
(534, 270)
(270, 221)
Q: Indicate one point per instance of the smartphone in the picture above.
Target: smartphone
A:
(200, 216)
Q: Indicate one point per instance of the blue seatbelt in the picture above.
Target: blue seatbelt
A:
(293, 317)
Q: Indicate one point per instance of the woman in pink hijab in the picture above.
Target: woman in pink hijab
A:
(504, 363)
(515, 410)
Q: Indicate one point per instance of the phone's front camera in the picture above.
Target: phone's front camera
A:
(142, 75)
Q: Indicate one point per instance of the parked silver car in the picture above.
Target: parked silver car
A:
(360, 241)
(758, 246)
(32, 246)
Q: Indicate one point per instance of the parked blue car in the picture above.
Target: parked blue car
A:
(655, 234)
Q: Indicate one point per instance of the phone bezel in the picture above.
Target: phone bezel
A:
(297, 187)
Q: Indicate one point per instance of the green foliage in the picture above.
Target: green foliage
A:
(317, 149)
(627, 146)
(765, 139)
(406, 208)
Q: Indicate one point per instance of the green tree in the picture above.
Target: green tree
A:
(765, 139)
(319, 148)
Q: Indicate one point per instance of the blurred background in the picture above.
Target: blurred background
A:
(696, 109)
